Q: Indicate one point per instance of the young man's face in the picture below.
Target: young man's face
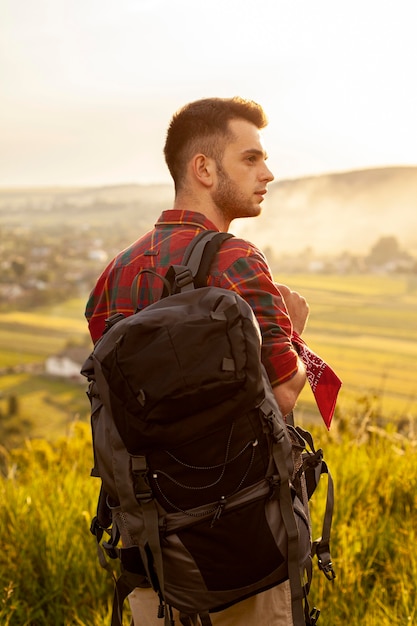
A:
(242, 175)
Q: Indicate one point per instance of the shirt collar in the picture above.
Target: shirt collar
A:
(185, 218)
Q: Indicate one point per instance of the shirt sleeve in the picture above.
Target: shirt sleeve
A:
(97, 308)
(110, 295)
(250, 277)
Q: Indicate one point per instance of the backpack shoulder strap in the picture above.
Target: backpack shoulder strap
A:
(196, 262)
(200, 253)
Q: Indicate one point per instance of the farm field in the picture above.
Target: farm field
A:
(31, 336)
(44, 406)
(365, 327)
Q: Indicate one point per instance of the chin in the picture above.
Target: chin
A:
(257, 210)
(248, 214)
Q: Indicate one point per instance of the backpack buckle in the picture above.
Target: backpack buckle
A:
(313, 617)
(96, 529)
(274, 486)
(112, 320)
(322, 551)
(143, 491)
(184, 278)
(143, 496)
(275, 427)
(327, 569)
(111, 550)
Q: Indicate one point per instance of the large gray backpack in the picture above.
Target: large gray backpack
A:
(205, 487)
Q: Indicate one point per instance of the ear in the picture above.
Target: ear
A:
(203, 169)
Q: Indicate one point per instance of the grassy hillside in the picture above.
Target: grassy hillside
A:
(49, 572)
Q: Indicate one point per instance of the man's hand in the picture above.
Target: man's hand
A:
(297, 307)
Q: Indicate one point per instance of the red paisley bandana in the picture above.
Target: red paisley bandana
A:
(323, 381)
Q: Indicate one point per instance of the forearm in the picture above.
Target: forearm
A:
(286, 394)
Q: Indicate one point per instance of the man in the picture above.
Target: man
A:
(215, 154)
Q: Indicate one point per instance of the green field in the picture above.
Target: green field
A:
(31, 336)
(365, 327)
(46, 406)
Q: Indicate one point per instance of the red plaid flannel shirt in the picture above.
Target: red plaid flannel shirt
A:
(239, 266)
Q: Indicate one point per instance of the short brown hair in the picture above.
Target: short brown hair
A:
(203, 126)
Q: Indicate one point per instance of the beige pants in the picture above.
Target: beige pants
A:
(269, 608)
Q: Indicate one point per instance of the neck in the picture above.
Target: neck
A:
(189, 202)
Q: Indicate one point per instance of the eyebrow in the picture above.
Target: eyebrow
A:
(256, 151)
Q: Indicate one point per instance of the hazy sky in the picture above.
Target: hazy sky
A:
(88, 86)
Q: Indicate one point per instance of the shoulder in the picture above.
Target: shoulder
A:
(131, 254)
(240, 251)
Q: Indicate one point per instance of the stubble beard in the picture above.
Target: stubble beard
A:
(230, 201)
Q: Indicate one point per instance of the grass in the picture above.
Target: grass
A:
(49, 572)
(48, 569)
(375, 475)
(46, 407)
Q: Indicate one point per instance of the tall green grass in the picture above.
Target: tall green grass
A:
(374, 526)
(49, 574)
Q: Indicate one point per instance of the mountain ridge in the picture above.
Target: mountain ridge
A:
(327, 213)
(340, 211)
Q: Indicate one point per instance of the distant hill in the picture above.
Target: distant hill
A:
(337, 212)
(47, 197)
(329, 213)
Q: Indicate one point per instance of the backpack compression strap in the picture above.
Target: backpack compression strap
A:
(314, 467)
(284, 495)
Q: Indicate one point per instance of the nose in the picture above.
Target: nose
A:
(267, 175)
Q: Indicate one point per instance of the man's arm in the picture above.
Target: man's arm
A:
(243, 268)
(287, 393)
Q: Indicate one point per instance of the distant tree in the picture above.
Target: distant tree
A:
(18, 266)
(386, 249)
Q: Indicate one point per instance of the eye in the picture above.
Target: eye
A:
(252, 158)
